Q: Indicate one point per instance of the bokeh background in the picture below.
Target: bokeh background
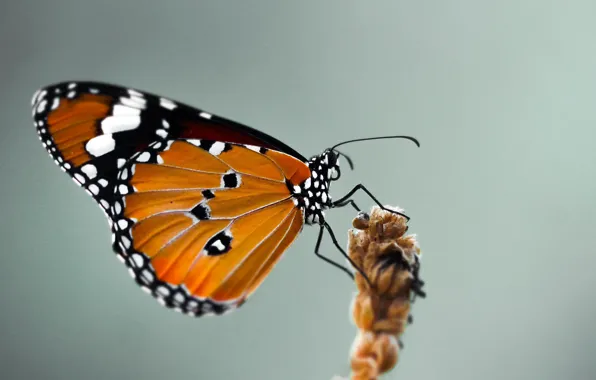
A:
(502, 96)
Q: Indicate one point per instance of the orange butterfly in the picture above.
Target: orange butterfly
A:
(201, 208)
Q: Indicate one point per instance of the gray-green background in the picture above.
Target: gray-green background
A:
(501, 94)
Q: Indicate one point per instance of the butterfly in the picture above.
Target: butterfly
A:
(200, 207)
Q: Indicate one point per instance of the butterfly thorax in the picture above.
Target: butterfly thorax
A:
(312, 195)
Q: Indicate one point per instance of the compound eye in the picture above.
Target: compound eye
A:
(334, 173)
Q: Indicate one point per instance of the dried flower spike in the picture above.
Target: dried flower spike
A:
(381, 308)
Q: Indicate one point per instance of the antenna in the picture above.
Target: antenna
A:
(378, 138)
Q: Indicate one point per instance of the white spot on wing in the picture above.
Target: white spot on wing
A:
(42, 106)
(122, 110)
(167, 103)
(217, 148)
(218, 244)
(90, 170)
(125, 241)
(79, 178)
(94, 189)
(144, 157)
(100, 145)
(115, 124)
(138, 260)
(205, 115)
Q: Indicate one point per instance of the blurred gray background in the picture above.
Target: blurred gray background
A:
(501, 95)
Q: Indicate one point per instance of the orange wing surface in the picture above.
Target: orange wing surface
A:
(201, 223)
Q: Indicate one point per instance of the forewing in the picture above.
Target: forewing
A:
(91, 129)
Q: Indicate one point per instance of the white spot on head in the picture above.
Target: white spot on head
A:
(205, 115)
(100, 145)
(167, 103)
(217, 148)
(90, 170)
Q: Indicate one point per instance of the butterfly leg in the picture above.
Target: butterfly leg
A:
(336, 243)
(329, 261)
(345, 200)
(348, 202)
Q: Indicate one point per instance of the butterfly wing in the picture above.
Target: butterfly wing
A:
(90, 129)
(200, 206)
(201, 223)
